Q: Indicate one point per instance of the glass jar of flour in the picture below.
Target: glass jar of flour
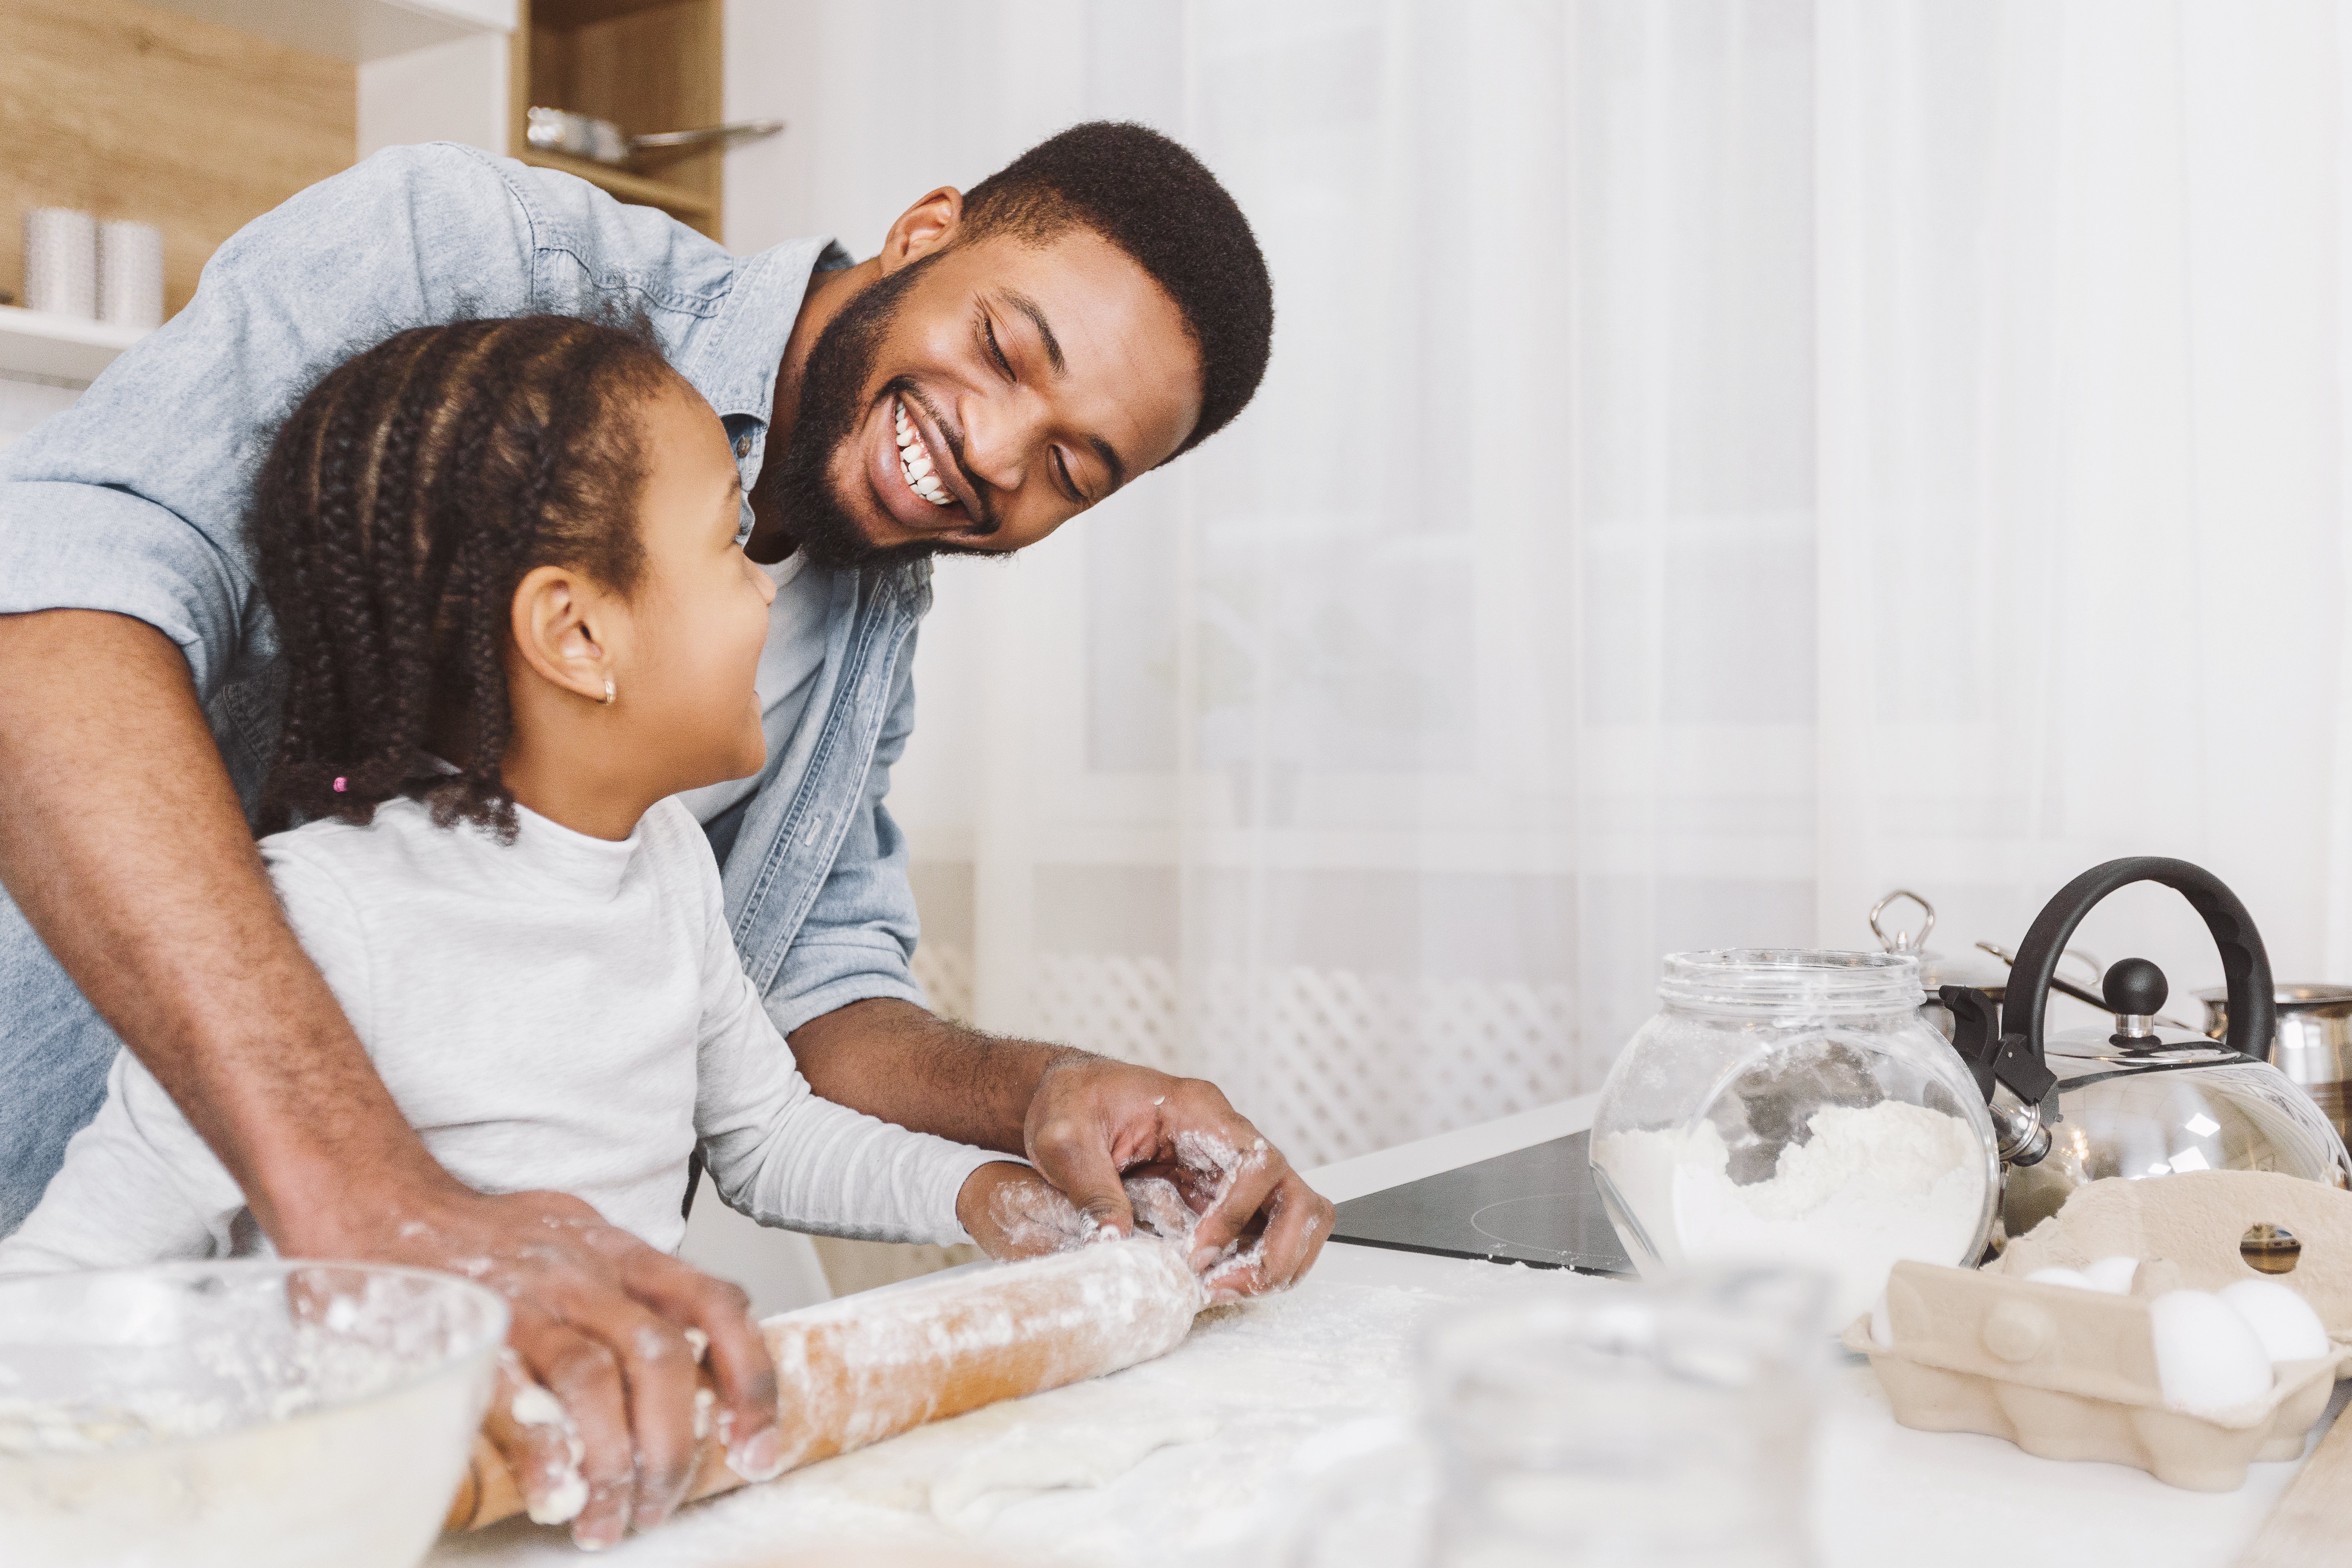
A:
(1792, 1107)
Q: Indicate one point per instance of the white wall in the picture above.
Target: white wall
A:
(454, 91)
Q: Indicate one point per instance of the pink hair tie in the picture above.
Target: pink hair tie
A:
(339, 783)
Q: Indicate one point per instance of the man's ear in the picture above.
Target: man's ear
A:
(555, 610)
(927, 225)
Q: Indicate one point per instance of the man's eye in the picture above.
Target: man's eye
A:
(995, 352)
(1069, 485)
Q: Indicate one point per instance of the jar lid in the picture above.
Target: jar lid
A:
(1785, 980)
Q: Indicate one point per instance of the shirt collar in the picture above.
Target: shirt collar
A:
(737, 357)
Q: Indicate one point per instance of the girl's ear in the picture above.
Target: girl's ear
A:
(555, 614)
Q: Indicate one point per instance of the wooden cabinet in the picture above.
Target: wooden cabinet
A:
(645, 64)
(132, 112)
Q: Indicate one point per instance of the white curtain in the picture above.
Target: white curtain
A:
(1723, 460)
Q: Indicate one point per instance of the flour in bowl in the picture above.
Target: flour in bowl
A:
(1869, 1186)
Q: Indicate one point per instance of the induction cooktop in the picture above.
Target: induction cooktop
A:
(1534, 1206)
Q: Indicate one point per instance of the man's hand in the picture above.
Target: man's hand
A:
(606, 1326)
(1094, 1121)
(1085, 1122)
(122, 841)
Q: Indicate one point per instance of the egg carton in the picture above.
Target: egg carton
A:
(2197, 1221)
(2071, 1374)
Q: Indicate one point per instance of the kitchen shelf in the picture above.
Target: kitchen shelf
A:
(354, 30)
(63, 348)
(676, 200)
(646, 66)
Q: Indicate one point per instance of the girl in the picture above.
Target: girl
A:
(501, 558)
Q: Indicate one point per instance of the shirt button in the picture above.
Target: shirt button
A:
(743, 446)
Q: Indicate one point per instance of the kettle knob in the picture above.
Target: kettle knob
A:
(2134, 988)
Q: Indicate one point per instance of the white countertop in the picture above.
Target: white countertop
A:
(1886, 1496)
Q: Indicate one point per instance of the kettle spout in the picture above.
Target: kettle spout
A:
(2018, 1137)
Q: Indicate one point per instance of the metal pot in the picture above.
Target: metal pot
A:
(1936, 970)
(2134, 1099)
(2312, 1043)
(586, 136)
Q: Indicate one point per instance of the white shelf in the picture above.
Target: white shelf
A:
(354, 30)
(35, 342)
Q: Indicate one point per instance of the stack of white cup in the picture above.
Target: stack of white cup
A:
(75, 265)
(61, 262)
(130, 275)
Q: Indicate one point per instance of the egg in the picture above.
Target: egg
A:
(2289, 1329)
(2209, 1359)
(2112, 1274)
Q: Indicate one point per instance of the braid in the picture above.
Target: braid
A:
(401, 506)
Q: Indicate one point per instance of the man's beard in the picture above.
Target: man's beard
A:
(833, 397)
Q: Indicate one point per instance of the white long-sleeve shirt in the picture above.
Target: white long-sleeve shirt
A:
(563, 1013)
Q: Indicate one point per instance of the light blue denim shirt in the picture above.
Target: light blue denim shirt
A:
(134, 501)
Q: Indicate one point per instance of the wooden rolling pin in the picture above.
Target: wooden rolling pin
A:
(2312, 1521)
(866, 1367)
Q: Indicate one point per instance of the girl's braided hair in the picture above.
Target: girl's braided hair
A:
(397, 512)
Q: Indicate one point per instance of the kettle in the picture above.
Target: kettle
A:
(2138, 1100)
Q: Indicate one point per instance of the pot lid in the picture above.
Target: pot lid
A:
(2164, 1047)
(2299, 997)
(1935, 969)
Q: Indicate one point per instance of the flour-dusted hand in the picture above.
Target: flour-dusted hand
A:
(595, 1411)
(1092, 1123)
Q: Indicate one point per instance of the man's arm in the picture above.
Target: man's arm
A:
(1085, 1122)
(843, 998)
(122, 841)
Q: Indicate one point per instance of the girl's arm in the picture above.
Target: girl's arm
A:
(782, 1155)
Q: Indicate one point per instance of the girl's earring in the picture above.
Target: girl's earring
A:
(608, 692)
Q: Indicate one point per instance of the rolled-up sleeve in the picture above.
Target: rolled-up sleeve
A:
(858, 940)
(133, 501)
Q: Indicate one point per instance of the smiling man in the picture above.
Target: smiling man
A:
(1011, 357)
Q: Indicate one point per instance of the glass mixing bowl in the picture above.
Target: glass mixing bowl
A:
(255, 1413)
(1792, 1107)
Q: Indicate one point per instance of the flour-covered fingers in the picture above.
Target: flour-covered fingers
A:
(658, 1370)
(534, 1435)
(584, 1375)
(1072, 1153)
(1010, 1212)
(743, 1372)
(1297, 1223)
(1251, 1170)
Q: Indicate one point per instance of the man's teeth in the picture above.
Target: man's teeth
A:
(915, 462)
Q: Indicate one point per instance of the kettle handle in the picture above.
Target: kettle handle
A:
(2245, 964)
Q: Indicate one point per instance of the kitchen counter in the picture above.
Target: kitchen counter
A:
(1247, 1411)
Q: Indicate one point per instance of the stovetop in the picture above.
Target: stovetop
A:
(1533, 1206)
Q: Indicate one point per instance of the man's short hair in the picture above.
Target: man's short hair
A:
(1154, 200)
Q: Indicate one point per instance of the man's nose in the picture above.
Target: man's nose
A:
(1002, 434)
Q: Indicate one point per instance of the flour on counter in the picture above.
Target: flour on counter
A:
(1870, 1187)
(1206, 1455)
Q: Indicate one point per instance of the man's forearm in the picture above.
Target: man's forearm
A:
(894, 1060)
(122, 841)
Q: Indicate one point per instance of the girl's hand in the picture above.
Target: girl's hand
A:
(1013, 1212)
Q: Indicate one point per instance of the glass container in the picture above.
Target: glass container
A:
(1793, 1107)
(254, 1413)
(1664, 1424)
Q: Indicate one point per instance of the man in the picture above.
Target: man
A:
(1011, 358)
